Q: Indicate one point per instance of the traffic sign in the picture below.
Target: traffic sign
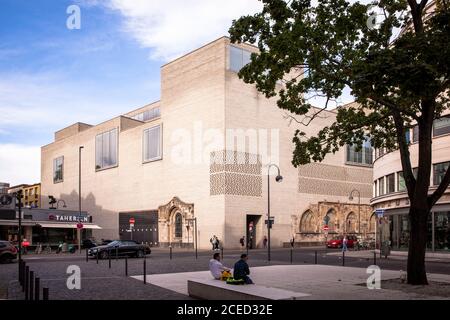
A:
(325, 228)
(132, 221)
(379, 213)
(79, 225)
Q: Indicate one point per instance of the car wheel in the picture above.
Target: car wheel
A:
(104, 255)
(6, 259)
(139, 254)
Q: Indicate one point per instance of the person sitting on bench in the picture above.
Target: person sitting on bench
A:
(216, 267)
(241, 270)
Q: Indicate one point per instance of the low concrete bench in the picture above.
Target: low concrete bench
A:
(219, 290)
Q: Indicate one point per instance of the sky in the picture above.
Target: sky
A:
(52, 76)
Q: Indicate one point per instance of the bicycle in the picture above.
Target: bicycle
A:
(48, 249)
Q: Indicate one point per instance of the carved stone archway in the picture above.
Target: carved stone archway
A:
(167, 223)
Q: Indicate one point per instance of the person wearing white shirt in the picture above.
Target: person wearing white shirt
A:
(216, 267)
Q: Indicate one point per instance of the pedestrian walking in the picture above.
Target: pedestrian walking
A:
(242, 242)
(344, 244)
(265, 242)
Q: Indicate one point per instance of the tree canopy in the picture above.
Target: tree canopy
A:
(396, 64)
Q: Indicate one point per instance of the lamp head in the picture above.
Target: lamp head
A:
(279, 178)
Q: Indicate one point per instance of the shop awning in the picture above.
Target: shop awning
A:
(67, 225)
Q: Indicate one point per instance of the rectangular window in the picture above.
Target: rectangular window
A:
(390, 183)
(416, 133)
(439, 171)
(401, 184)
(381, 186)
(238, 58)
(58, 169)
(363, 156)
(441, 126)
(408, 136)
(152, 144)
(148, 115)
(375, 188)
(106, 150)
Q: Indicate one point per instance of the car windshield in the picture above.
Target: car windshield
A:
(114, 243)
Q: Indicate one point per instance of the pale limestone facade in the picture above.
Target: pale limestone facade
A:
(223, 187)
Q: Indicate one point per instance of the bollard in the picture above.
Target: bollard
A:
(145, 271)
(109, 258)
(30, 294)
(87, 255)
(37, 288)
(315, 257)
(23, 275)
(126, 266)
(221, 252)
(292, 250)
(44, 293)
(170, 252)
(343, 258)
(117, 253)
(20, 272)
(27, 275)
(374, 258)
(96, 255)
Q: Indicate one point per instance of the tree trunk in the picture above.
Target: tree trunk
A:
(417, 245)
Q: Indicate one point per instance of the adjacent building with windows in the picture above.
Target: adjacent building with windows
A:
(389, 189)
(199, 158)
(31, 194)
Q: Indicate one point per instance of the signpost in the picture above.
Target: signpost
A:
(132, 221)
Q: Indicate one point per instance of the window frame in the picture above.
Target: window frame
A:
(55, 181)
(388, 185)
(117, 150)
(447, 117)
(434, 171)
(400, 174)
(364, 152)
(160, 125)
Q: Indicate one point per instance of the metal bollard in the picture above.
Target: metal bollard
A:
(27, 275)
(145, 271)
(315, 257)
(117, 253)
(44, 293)
(343, 258)
(20, 272)
(221, 252)
(31, 293)
(374, 258)
(37, 288)
(170, 252)
(292, 249)
(126, 266)
(96, 255)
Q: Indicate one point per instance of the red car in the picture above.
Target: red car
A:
(336, 242)
(8, 252)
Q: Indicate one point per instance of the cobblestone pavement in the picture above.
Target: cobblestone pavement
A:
(101, 282)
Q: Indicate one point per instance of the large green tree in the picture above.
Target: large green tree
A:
(398, 79)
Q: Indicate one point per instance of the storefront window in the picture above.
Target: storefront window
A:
(442, 230)
(403, 240)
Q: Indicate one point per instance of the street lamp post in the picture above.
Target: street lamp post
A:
(19, 202)
(359, 207)
(79, 196)
(278, 178)
(196, 234)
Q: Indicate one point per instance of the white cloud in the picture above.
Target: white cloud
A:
(19, 163)
(172, 28)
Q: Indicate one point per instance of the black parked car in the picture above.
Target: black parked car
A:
(88, 243)
(121, 248)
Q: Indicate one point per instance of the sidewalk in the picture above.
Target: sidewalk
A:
(320, 282)
(399, 255)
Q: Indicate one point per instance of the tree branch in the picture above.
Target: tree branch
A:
(435, 196)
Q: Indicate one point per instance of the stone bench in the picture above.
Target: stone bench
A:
(211, 289)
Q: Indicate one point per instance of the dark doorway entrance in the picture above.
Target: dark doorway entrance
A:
(251, 226)
(145, 227)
